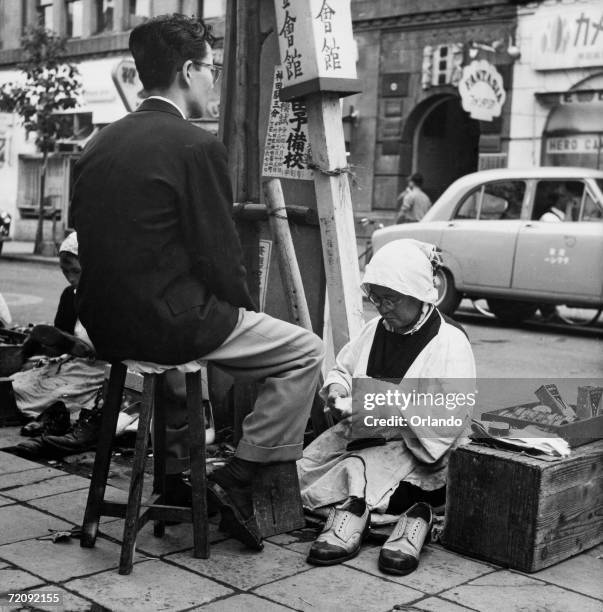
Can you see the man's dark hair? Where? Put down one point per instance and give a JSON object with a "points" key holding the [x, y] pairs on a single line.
{"points": [[417, 179], [161, 45]]}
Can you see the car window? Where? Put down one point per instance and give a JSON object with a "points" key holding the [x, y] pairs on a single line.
{"points": [[469, 206], [502, 200], [557, 200], [591, 209]]}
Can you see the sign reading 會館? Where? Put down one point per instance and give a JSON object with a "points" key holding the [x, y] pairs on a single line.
{"points": [[571, 37], [317, 47], [482, 91]]}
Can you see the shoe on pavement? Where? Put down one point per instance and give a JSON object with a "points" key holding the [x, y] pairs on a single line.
{"points": [[82, 436], [54, 421], [342, 534], [234, 500], [400, 553]]}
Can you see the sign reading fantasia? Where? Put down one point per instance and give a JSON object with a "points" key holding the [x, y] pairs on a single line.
{"points": [[317, 47], [287, 149], [481, 89]]}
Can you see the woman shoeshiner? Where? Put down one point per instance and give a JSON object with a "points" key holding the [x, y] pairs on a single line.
{"points": [[391, 469]]}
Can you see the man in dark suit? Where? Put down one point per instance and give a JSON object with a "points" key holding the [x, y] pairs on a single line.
{"points": [[163, 278]]}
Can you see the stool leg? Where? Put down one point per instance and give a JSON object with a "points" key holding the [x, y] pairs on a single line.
{"points": [[159, 452], [196, 422], [102, 459], [137, 480]]}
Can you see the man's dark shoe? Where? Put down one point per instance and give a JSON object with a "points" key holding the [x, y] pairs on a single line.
{"points": [[53, 421], [234, 500], [82, 436], [34, 448]]}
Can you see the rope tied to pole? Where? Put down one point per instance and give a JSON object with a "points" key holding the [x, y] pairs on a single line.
{"points": [[274, 212], [335, 172]]}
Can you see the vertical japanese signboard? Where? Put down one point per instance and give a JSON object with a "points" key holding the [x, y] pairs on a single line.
{"points": [[317, 47], [287, 150]]}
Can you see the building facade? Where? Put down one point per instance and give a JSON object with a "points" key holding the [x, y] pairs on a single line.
{"points": [[557, 107], [410, 116], [97, 32]]}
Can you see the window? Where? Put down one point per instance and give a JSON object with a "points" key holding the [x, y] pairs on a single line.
{"points": [[213, 8], [591, 209], [138, 11], [502, 200], [74, 18], [104, 15], [45, 14], [24, 15], [561, 199]]}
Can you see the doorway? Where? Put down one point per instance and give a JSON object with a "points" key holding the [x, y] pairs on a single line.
{"points": [[445, 145]]}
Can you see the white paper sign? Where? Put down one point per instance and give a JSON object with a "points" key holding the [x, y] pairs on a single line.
{"points": [[287, 149], [265, 257], [481, 89], [316, 42], [571, 37]]}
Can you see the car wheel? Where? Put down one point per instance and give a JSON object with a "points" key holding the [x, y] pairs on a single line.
{"points": [[510, 311], [448, 297]]}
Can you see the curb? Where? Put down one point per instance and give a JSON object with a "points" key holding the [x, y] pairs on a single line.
{"points": [[48, 261]]}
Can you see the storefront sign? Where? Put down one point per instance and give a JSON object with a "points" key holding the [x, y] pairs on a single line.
{"points": [[571, 37], [265, 258], [317, 47], [287, 149], [577, 143], [481, 89], [128, 84]]}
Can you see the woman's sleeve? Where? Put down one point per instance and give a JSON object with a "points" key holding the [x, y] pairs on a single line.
{"points": [[66, 315]]}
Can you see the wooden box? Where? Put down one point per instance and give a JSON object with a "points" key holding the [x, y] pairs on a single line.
{"points": [[576, 433], [522, 512]]}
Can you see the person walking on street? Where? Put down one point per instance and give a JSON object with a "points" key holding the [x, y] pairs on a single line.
{"points": [[413, 203], [163, 278]]}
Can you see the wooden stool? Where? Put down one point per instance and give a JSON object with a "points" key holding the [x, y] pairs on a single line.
{"points": [[154, 509]]}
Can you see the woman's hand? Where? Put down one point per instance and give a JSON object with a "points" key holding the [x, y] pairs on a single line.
{"points": [[336, 392]]}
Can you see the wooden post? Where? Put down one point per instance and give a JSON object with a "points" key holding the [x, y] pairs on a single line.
{"points": [[287, 260], [336, 216]]}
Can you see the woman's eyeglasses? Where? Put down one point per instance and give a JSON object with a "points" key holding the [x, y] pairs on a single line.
{"points": [[385, 302]]}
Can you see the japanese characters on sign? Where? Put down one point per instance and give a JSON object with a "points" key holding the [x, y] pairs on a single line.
{"points": [[125, 77], [571, 37], [287, 149], [317, 46], [264, 261], [482, 91]]}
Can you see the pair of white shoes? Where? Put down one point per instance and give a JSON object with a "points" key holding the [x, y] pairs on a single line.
{"points": [[348, 524]]}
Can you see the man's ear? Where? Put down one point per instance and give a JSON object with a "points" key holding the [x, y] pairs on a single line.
{"points": [[186, 72]]}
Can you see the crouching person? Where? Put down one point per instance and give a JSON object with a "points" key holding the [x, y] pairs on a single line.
{"points": [[350, 471]]}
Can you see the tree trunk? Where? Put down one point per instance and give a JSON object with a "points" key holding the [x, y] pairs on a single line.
{"points": [[38, 246]]}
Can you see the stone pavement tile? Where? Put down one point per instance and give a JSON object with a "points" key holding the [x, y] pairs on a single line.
{"points": [[438, 569], [505, 591], [61, 561], [52, 486], [583, 573], [152, 585], [27, 477], [5, 501], [177, 538], [435, 604], [72, 504], [337, 588], [69, 601], [20, 523], [597, 551], [14, 579], [232, 563], [246, 601], [12, 463]]}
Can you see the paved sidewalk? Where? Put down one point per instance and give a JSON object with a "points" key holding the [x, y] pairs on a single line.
{"points": [[23, 251], [35, 498]]}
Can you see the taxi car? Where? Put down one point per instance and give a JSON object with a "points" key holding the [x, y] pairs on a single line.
{"points": [[519, 238]]}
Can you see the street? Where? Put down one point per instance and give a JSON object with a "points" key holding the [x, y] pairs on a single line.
{"points": [[535, 349]]}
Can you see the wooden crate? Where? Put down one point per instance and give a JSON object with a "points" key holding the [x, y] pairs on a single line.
{"points": [[521, 512]]}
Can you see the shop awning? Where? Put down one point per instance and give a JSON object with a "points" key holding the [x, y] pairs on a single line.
{"points": [[576, 118]]}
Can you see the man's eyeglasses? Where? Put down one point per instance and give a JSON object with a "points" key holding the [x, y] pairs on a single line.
{"points": [[216, 71], [385, 302]]}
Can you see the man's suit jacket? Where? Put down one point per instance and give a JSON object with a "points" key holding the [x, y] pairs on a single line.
{"points": [[162, 266]]}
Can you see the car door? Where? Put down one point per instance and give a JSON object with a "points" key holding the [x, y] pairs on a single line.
{"points": [[478, 243], [561, 254]]}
